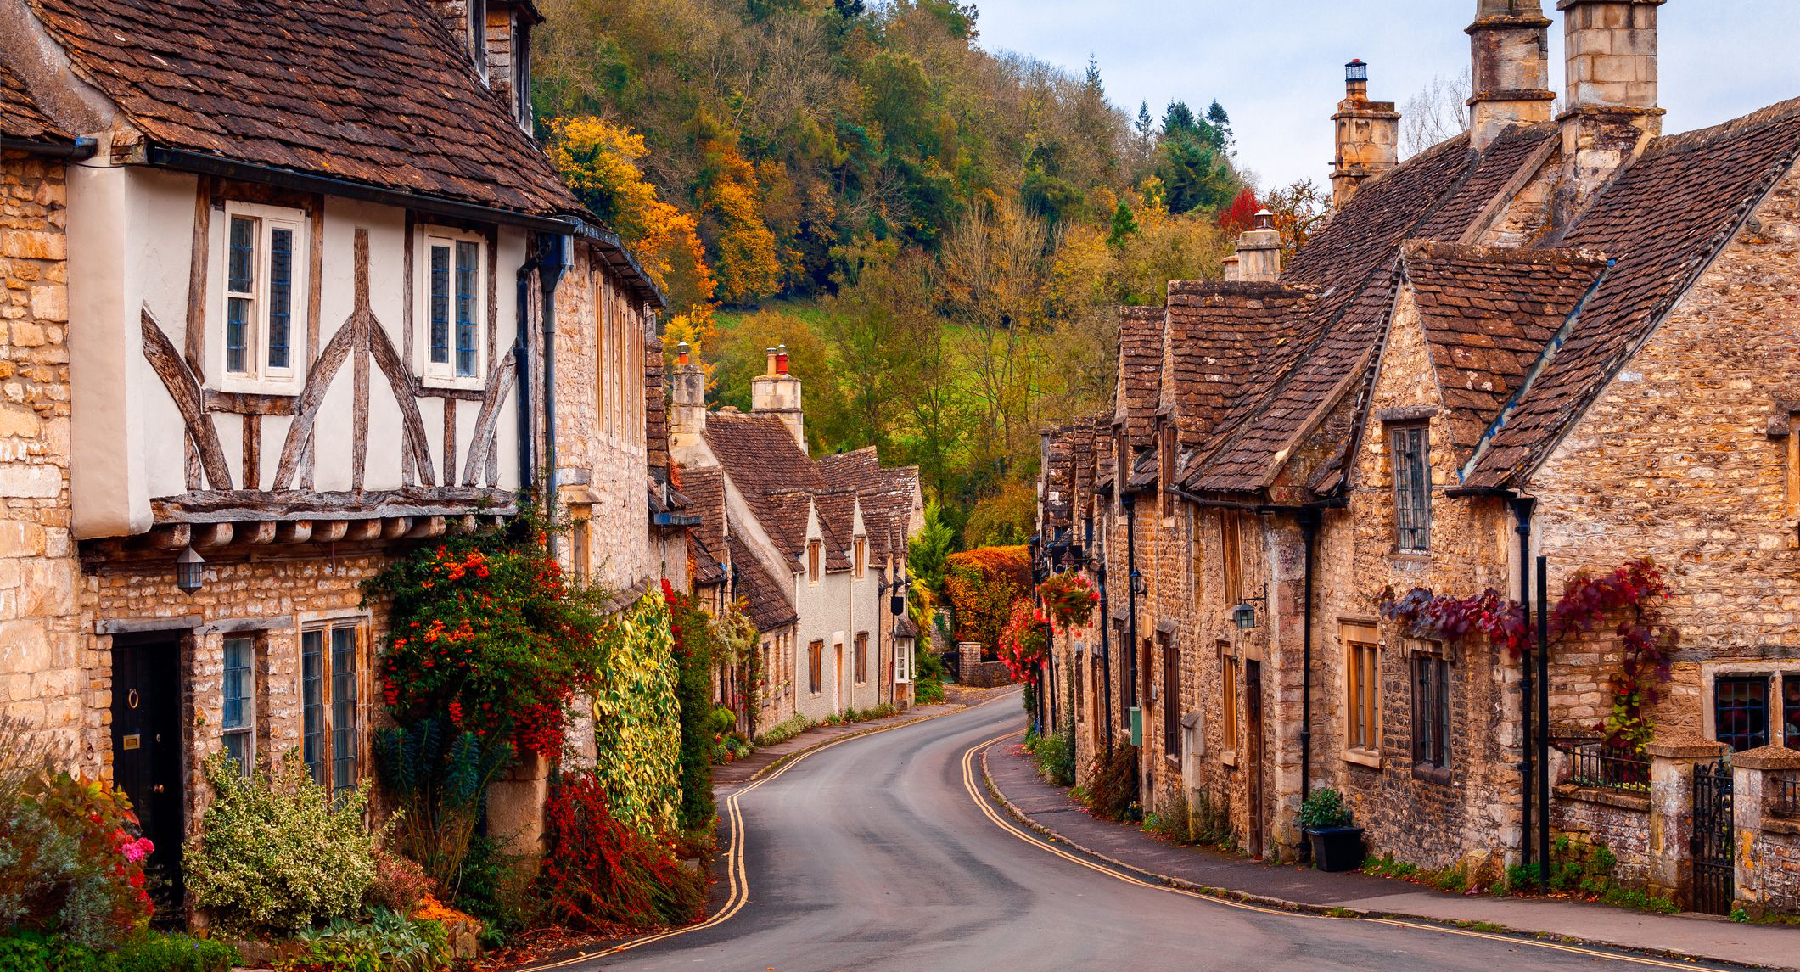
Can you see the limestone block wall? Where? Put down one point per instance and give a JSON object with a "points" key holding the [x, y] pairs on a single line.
{"points": [[1688, 457], [1618, 821], [43, 654]]}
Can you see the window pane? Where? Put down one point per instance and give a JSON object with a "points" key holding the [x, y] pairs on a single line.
{"points": [[1741, 712], [281, 300], [237, 746], [468, 263], [1790, 707], [238, 682], [440, 305], [343, 707], [240, 264], [312, 702], [237, 334]]}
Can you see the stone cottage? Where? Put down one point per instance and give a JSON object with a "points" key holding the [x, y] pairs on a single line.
{"points": [[290, 291], [1569, 336], [816, 548]]}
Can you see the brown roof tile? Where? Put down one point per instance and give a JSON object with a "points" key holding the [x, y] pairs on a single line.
{"points": [[765, 598], [376, 92], [20, 116], [705, 490], [1140, 371]]}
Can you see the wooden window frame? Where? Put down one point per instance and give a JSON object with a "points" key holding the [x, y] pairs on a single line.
{"points": [[815, 668], [1362, 693], [1080, 694], [323, 741], [815, 561], [1409, 454], [1231, 556], [1171, 693], [860, 553], [447, 374], [1228, 702], [259, 376], [1429, 672], [860, 663], [1196, 557], [581, 550], [243, 730]]}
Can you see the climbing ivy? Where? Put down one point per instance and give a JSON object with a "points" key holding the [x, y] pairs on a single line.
{"points": [[637, 721]]}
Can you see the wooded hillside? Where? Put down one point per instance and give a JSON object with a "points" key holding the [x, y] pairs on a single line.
{"points": [[939, 233]]}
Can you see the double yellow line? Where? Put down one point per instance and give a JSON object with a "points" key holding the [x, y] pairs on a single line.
{"points": [[987, 810]]}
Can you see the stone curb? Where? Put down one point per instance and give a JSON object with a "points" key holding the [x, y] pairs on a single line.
{"points": [[821, 744], [1297, 907]]}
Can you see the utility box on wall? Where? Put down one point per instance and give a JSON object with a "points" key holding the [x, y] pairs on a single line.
{"points": [[1137, 726]]}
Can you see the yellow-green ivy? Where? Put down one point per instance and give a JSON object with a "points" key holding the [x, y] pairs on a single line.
{"points": [[637, 726]]}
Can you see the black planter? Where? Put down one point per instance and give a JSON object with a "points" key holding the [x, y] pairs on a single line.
{"points": [[1337, 848]]}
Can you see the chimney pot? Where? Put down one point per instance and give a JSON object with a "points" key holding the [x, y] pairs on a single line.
{"points": [[1368, 136], [770, 352], [781, 360], [1265, 220], [681, 352]]}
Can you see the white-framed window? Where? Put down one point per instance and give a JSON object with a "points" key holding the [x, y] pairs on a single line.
{"points": [[261, 301], [451, 331], [331, 666], [237, 719], [903, 659]]}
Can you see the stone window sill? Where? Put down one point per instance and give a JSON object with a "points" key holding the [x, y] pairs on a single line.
{"points": [[1776, 825], [1363, 757], [1410, 556], [1432, 774], [1228, 757]]}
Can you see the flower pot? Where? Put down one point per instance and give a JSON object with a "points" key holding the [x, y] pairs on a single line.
{"points": [[1337, 848]]}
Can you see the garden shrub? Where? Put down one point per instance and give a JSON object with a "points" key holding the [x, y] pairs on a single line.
{"points": [[1323, 809], [1055, 754], [637, 717], [275, 853], [390, 943], [492, 886], [145, 952], [1112, 788], [1172, 821], [983, 585], [928, 681], [400, 884], [694, 649], [783, 731], [602, 873], [71, 862], [436, 775]]}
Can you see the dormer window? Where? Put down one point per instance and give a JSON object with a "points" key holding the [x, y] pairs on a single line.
{"points": [[262, 294], [815, 559], [1410, 454], [861, 554], [477, 10]]}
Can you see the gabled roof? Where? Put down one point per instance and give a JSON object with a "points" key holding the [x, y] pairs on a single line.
{"points": [[376, 92], [1664, 218], [765, 599], [1352, 267], [20, 116], [887, 496], [1140, 371], [705, 490], [1218, 336], [1487, 313], [768, 468]]}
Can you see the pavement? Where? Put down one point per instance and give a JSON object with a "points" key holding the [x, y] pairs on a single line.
{"points": [[887, 852], [1048, 809]]}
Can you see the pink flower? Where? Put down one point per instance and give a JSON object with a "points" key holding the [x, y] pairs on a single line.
{"points": [[137, 850]]}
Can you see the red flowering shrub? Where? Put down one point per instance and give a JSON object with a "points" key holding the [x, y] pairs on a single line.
{"points": [[983, 584], [602, 875], [487, 631], [1069, 599], [1024, 644], [72, 863]]}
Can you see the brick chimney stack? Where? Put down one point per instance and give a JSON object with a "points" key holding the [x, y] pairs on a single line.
{"points": [[1510, 68], [687, 395], [1612, 98], [1368, 136], [777, 393], [1259, 251]]}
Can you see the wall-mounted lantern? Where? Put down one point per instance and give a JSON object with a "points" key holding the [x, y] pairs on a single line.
{"points": [[1244, 615], [190, 571]]}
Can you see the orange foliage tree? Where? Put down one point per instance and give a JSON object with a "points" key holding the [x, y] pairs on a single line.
{"points": [[748, 266], [983, 586]]}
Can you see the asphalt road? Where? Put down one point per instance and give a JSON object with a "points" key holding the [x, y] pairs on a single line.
{"points": [[873, 854]]}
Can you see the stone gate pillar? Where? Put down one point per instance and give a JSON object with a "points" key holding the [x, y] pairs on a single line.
{"points": [[1672, 765], [1749, 804]]}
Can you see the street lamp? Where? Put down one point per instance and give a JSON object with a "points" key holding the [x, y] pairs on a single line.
{"points": [[1244, 615], [897, 602]]}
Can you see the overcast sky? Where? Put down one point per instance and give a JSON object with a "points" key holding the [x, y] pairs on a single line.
{"points": [[1277, 65]]}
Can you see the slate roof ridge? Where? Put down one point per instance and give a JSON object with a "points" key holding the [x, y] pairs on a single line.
{"points": [[1445, 252], [1701, 136]]}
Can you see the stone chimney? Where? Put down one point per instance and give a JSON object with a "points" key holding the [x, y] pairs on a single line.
{"points": [[1612, 99], [687, 399], [1510, 68], [1259, 251], [1368, 136], [777, 393]]}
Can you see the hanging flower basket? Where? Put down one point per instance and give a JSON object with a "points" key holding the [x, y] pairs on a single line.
{"points": [[1069, 599], [1023, 642]]}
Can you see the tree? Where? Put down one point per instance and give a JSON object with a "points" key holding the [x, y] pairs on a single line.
{"points": [[1300, 210], [1438, 112], [1221, 123]]}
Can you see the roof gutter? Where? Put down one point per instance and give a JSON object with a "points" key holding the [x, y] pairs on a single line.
{"points": [[1332, 503], [80, 150], [207, 164]]}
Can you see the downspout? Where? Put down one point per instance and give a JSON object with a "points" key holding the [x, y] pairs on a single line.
{"points": [[1131, 582], [1309, 529], [1106, 662], [1521, 508], [521, 352], [551, 266]]}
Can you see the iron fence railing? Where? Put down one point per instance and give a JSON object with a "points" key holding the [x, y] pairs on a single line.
{"points": [[1784, 796], [1601, 766]]}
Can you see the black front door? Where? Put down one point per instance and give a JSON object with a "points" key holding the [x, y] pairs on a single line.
{"points": [[146, 740]]}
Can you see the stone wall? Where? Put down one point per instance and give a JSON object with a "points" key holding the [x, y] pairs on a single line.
{"points": [[43, 652], [1618, 821]]}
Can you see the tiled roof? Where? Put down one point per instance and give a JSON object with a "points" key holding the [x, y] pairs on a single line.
{"points": [[1352, 266], [20, 116], [377, 92], [762, 459], [1663, 218], [1140, 371], [1218, 336], [887, 497], [705, 490], [765, 599], [1058, 480], [1487, 313]]}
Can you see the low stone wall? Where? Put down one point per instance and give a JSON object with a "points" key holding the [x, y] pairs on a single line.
{"points": [[1778, 848], [980, 674], [1614, 819]]}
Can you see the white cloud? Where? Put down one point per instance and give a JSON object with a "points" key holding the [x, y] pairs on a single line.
{"points": [[1277, 65]]}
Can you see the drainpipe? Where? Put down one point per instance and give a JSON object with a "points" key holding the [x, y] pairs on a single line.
{"points": [[555, 260], [1543, 720], [1131, 582], [1309, 529], [1521, 508], [1106, 662], [521, 353]]}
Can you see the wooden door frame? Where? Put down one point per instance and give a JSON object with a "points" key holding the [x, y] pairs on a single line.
{"points": [[1254, 743]]}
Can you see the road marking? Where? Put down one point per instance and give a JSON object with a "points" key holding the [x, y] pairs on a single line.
{"points": [[739, 881], [987, 810]]}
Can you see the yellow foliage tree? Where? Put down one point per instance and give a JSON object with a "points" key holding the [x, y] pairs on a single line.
{"points": [[748, 266]]}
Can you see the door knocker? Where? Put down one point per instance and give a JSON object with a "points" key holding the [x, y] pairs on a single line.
{"points": [[131, 699]]}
